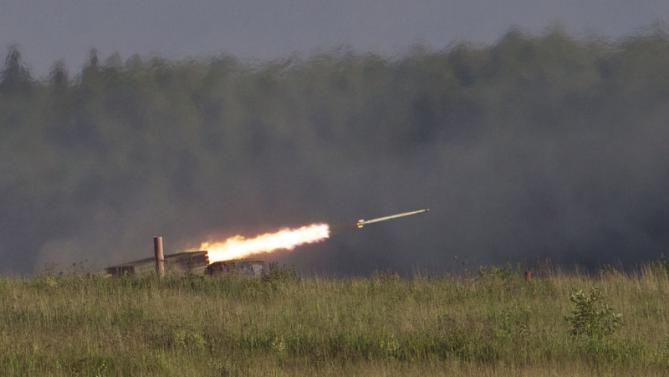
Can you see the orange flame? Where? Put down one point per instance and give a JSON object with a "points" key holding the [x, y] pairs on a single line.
{"points": [[285, 239]]}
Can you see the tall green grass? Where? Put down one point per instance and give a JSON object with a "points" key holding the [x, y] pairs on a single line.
{"points": [[491, 324]]}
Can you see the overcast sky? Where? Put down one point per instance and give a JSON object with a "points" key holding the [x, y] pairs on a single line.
{"points": [[47, 30]]}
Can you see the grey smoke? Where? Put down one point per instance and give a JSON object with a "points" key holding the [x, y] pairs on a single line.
{"points": [[532, 148]]}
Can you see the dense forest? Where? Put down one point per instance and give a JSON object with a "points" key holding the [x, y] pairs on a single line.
{"points": [[534, 147]]}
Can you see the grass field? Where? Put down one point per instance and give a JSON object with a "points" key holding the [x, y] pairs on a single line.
{"points": [[493, 323]]}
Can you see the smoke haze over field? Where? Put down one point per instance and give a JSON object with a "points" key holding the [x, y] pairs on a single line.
{"points": [[533, 147]]}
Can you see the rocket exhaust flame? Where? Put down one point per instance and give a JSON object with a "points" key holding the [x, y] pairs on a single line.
{"points": [[285, 239], [239, 247]]}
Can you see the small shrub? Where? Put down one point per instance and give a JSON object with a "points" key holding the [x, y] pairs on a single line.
{"points": [[592, 317], [511, 324], [182, 338], [508, 272], [278, 344], [389, 346]]}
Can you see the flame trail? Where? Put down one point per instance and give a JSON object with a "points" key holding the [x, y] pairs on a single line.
{"points": [[285, 239]]}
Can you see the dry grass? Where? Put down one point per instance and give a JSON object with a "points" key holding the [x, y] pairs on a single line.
{"points": [[493, 324]]}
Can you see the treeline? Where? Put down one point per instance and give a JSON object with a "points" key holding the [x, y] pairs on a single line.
{"points": [[535, 146]]}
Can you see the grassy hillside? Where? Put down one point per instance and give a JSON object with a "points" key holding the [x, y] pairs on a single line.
{"points": [[490, 324]]}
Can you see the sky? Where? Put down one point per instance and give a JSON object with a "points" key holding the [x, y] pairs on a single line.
{"points": [[49, 30]]}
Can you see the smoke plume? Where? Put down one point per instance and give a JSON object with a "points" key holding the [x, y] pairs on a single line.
{"points": [[532, 148]]}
